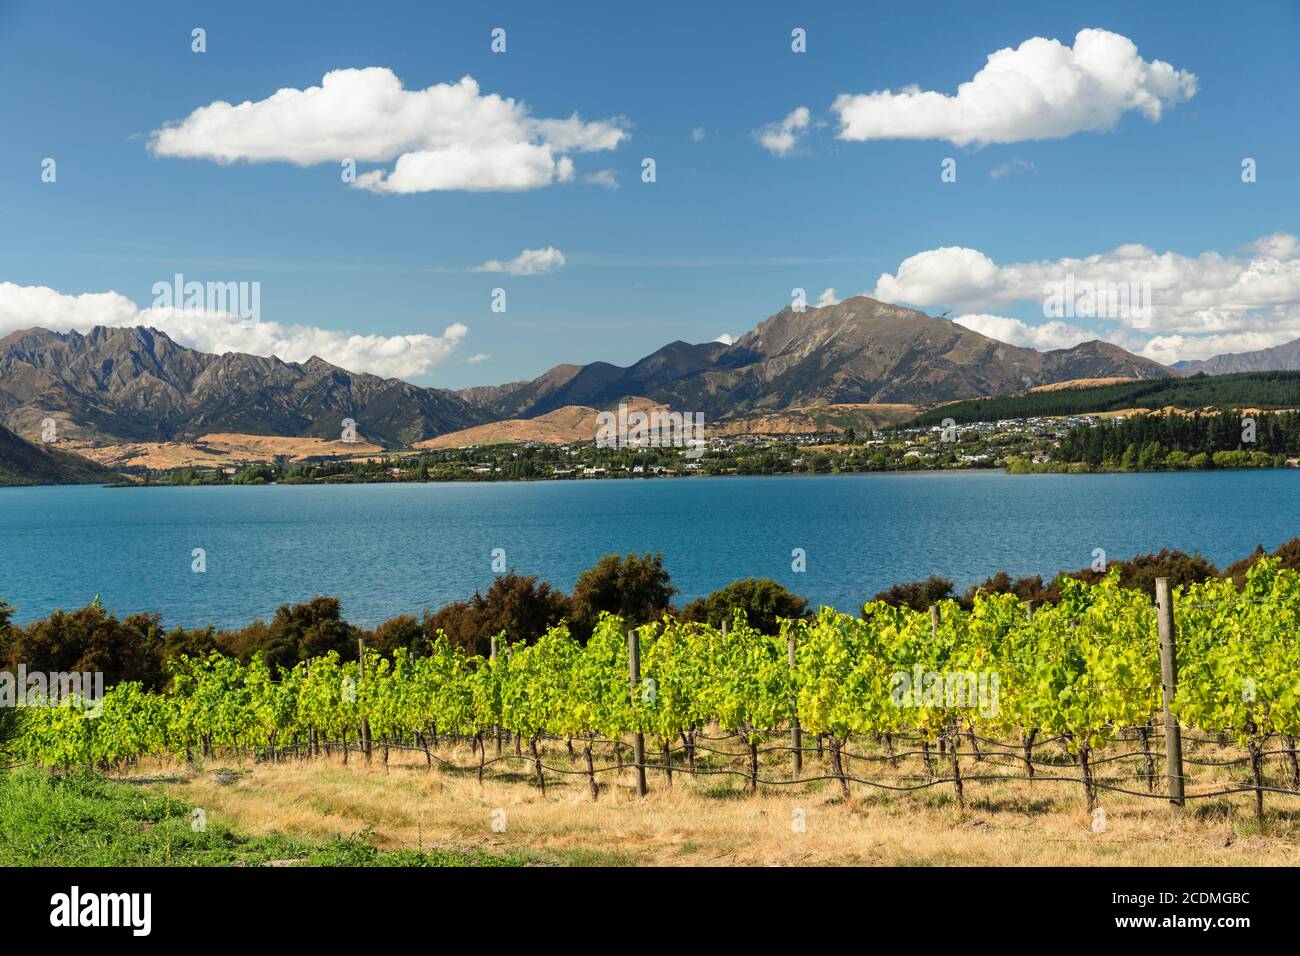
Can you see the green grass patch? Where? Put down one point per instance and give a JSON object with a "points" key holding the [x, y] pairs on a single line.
{"points": [[86, 820], [359, 852], [591, 856]]}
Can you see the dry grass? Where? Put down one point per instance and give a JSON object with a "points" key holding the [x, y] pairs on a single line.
{"points": [[570, 424], [715, 820], [1080, 383], [578, 423], [217, 450]]}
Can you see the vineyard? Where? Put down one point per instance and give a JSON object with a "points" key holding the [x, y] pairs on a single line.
{"points": [[1068, 694]]}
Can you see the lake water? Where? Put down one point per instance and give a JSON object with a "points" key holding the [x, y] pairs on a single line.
{"points": [[390, 549]]}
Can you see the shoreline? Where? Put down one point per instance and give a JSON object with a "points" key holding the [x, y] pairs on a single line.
{"points": [[1036, 471]]}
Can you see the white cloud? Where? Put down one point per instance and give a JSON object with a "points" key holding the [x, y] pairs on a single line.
{"points": [[396, 356], [25, 306], [781, 138], [573, 135], [504, 167], [399, 356], [602, 177], [477, 358], [1048, 335], [1016, 164], [1040, 90], [447, 136], [1280, 245], [1199, 305], [946, 274], [726, 339], [530, 262], [827, 298], [698, 134]]}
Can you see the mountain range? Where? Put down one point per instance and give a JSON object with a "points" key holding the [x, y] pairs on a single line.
{"points": [[1280, 358], [137, 384], [858, 351]]}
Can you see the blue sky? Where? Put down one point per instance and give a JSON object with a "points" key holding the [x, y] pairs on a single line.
{"points": [[712, 247]]}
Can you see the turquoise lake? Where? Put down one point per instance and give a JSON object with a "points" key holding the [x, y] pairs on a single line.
{"points": [[401, 548]]}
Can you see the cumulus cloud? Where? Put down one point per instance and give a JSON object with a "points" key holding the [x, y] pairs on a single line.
{"points": [[946, 274], [477, 358], [1048, 335], [1280, 245], [726, 339], [400, 356], [1015, 165], [698, 134], [1042, 89], [1199, 305], [827, 298], [573, 135], [25, 306], [448, 136], [782, 137], [530, 262], [602, 177]]}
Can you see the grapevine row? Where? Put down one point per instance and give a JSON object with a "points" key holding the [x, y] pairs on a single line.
{"points": [[1079, 671]]}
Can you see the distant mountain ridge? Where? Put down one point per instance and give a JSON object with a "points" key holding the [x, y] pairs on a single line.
{"points": [[1279, 358], [859, 351], [138, 385]]}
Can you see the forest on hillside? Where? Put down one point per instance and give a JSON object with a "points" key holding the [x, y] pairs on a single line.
{"points": [[1241, 390]]}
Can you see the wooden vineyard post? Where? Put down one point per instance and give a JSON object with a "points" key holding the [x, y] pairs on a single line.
{"points": [[934, 636], [634, 678], [313, 742], [519, 745], [953, 730], [1169, 686], [498, 728], [361, 674], [796, 732]]}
